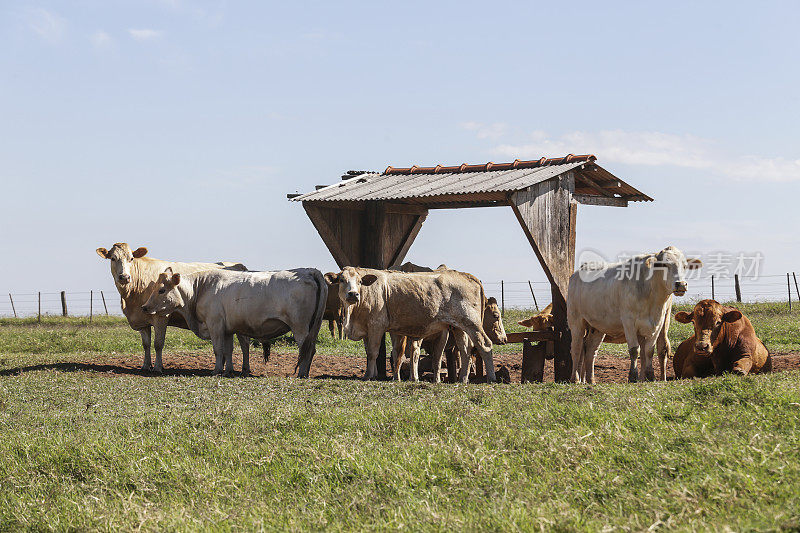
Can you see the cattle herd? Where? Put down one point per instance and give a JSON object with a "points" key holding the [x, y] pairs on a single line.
{"points": [[440, 310]]}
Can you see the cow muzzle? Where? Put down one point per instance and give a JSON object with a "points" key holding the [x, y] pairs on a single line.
{"points": [[702, 348], [680, 288], [352, 297], [147, 310], [124, 279]]}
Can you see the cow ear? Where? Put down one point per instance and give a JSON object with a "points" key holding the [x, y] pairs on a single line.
{"points": [[526, 323], [176, 278], [683, 317], [139, 252], [491, 301], [102, 252], [732, 316], [369, 279], [694, 264], [650, 262], [332, 278]]}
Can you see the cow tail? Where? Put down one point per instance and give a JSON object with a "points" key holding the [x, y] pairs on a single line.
{"points": [[316, 319]]}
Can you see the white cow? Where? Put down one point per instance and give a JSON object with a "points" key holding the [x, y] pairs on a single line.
{"points": [[216, 304], [135, 276], [631, 298]]}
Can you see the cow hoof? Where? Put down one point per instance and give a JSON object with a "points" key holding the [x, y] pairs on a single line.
{"points": [[632, 378], [246, 373], [146, 367]]}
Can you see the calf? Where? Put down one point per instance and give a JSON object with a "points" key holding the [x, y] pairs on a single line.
{"points": [[216, 304], [333, 311], [724, 341], [417, 305], [633, 298]]}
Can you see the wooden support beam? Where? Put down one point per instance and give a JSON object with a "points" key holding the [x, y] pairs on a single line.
{"points": [[408, 239], [594, 185], [588, 199], [547, 215]]}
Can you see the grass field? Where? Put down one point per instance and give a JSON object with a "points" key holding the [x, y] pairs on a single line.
{"points": [[100, 451]]}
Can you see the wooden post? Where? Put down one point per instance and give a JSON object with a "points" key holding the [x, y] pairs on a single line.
{"points": [[39, 320], [104, 302], [713, 295], [796, 288], [372, 239], [789, 286], [12, 305], [533, 356], [502, 298], [534, 296], [63, 303], [738, 288], [547, 213], [91, 301]]}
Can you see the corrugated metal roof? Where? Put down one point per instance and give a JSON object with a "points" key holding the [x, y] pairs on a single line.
{"points": [[428, 182]]}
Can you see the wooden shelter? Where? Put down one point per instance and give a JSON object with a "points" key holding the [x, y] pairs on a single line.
{"points": [[371, 219]]}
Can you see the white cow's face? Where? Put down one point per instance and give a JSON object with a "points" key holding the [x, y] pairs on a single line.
{"points": [[349, 283], [165, 297], [672, 265], [121, 258]]}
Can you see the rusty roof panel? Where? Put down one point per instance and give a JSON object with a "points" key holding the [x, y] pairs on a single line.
{"points": [[415, 184]]}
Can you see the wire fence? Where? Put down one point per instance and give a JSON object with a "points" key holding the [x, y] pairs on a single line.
{"points": [[771, 288], [62, 303], [510, 294]]}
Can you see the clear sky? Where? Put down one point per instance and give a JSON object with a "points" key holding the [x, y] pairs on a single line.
{"points": [[182, 125]]}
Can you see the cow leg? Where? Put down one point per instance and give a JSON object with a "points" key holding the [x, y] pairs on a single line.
{"points": [[159, 334], [244, 344], [742, 366], [664, 348], [646, 369], [147, 364], [438, 351], [414, 348], [339, 328], [266, 344], [372, 345], [464, 351], [307, 342], [218, 342], [633, 349], [228, 347], [484, 345], [591, 343], [330, 328], [398, 350], [578, 329]]}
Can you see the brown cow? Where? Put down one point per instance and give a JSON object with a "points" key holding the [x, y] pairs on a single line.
{"points": [[724, 341]]}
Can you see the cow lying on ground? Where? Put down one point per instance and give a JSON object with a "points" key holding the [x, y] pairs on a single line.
{"points": [[633, 298], [724, 341], [135, 277], [216, 304], [410, 348], [417, 305]]}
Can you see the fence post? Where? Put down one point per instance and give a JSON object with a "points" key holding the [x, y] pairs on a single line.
{"points": [[91, 302], [502, 298], [713, 295], [534, 296], [738, 288], [39, 319], [797, 290], [12, 305], [63, 303], [104, 302], [789, 286]]}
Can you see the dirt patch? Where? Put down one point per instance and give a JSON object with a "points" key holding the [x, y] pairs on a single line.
{"points": [[608, 369]]}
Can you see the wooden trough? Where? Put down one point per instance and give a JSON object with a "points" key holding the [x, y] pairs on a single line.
{"points": [[371, 219]]}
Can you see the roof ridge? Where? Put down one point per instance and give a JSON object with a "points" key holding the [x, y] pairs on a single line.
{"points": [[487, 167]]}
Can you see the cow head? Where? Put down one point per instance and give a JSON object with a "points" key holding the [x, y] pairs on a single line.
{"points": [[121, 258], [493, 322], [165, 297], [349, 283], [671, 265], [708, 317], [541, 321]]}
